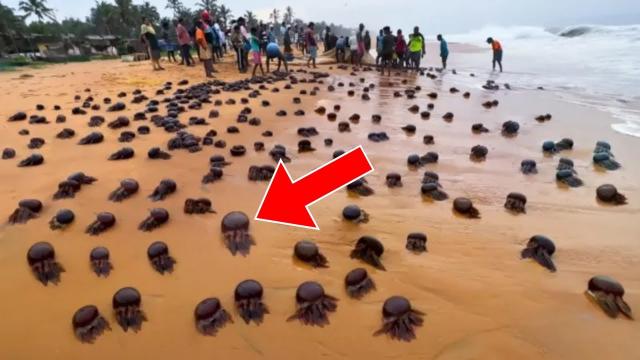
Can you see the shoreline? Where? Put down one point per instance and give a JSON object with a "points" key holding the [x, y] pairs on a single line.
{"points": [[480, 298]]}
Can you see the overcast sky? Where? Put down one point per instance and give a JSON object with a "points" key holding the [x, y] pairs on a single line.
{"points": [[433, 16]]}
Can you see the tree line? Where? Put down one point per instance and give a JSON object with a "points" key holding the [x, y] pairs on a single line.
{"points": [[120, 18]]}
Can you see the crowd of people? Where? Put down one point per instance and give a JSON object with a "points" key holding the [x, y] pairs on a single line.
{"points": [[250, 46]]}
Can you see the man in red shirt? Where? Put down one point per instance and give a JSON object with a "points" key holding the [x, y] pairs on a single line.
{"points": [[184, 40], [497, 52]]}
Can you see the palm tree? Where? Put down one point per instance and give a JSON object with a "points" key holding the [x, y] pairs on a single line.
{"points": [[209, 5], [176, 6], [252, 21], [288, 15], [37, 8], [274, 16], [124, 11], [224, 14]]}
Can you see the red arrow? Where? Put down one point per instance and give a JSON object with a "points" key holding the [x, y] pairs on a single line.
{"points": [[286, 201]]}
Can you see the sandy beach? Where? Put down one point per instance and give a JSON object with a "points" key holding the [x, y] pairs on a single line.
{"points": [[479, 297]]}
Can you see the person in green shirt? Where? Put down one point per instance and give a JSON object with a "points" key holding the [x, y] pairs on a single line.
{"points": [[416, 47]]}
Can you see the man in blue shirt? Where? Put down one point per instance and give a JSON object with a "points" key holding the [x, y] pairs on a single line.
{"points": [[273, 52], [444, 51]]}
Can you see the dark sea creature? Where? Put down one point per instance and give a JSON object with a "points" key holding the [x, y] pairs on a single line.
{"points": [[96, 121], [540, 248], [42, 260], [602, 147], [258, 146], [32, 160], [608, 293], [344, 126], [416, 242], [126, 304], [126, 136], [36, 143], [60, 119], [448, 117], [569, 178], [67, 189], [88, 324], [161, 260], [122, 154], [478, 153], [237, 150], [82, 178], [210, 316], [606, 161], [27, 209], [127, 188], [66, 133], [313, 305], [399, 319], [100, 263], [278, 153], [543, 118], [360, 187], [409, 129], [92, 138], [369, 250], [394, 180], [308, 252], [157, 217], [103, 222], [248, 300], [376, 118], [549, 147], [261, 173], [358, 283], [144, 130], [235, 230], [214, 174], [355, 214], [305, 146], [516, 203], [8, 153], [218, 161], [433, 191], [564, 144], [198, 206], [565, 164], [528, 167], [119, 106], [19, 116], [479, 128], [62, 219], [164, 189], [428, 140], [609, 194], [155, 153], [464, 206]]}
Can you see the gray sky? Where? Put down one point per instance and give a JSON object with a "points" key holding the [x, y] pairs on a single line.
{"points": [[448, 16]]}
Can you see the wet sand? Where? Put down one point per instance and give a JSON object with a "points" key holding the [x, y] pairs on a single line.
{"points": [[481, 300]]}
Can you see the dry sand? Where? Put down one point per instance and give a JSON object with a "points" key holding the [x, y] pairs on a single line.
{"points": [[481, 300]]}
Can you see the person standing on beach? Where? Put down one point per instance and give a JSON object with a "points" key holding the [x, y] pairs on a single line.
{"points": [[170, 40], [327, 39], [311, 44], [367, 41], [497, 52], [204, 48], [416, 48], [379, 46], [360, 44], [444, 50], [237, 41], [246, 47], [287, 41], [273, 52], [341, 49], [388, 49], [148, 37], [256, 55], [184, 40], [401, 49]]}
